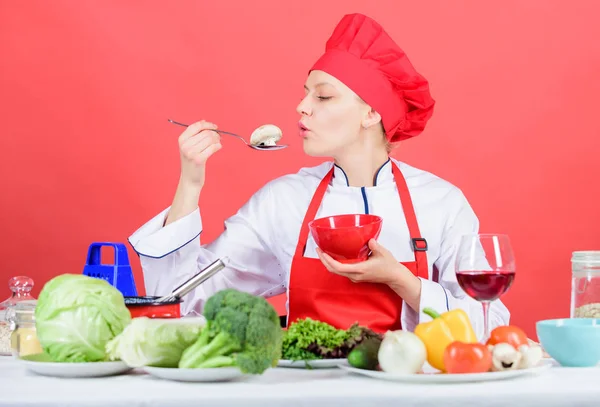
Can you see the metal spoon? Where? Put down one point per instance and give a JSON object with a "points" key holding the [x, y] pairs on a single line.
{"points": [[256, 147]]}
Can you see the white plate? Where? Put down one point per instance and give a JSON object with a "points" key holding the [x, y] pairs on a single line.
{"points": [[313, 364], [218, 374], [42, 365], [436, 377]]}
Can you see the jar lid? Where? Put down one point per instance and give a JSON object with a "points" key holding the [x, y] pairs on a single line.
{"points": [[20, 286], [586, 256]]}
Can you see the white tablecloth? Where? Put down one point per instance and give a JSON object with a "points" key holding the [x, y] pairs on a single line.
{"points": [[292, 387]]}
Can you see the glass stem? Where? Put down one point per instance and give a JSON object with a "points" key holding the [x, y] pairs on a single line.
{"points": [[486, 320]]}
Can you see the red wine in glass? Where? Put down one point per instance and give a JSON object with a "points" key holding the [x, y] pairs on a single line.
{"points": [[485, 268], [485, 285]]}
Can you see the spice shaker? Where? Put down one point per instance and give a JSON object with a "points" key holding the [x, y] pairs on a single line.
{"points": [[585, 284]]}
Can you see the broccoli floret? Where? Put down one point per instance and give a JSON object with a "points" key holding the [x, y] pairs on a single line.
{"points": [[242, 330], [218, 340], [214, 304], [263, 322]]}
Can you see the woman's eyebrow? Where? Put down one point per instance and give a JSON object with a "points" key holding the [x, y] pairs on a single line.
{"points": [[318, 85]]}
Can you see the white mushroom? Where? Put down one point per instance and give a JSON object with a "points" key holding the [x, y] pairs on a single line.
{"points": [[266, 135], [530, 356], [534, 343], [504, 357]]}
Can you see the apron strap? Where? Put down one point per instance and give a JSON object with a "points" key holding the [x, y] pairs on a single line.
{"points": [[419, 245], [313, 208]]}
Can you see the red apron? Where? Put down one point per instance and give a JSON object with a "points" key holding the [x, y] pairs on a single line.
{"points": [[316, 293]]}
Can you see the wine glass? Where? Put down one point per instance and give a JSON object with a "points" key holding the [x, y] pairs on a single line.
{"points": [[485, 269]]}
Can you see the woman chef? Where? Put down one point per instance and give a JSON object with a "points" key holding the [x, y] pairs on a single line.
{"points": [[362, 95]]}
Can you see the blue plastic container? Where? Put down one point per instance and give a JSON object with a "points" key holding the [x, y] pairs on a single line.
{"points": [[118, 275]]}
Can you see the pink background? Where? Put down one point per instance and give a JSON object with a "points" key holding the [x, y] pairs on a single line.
{"points": [[87, 153]]}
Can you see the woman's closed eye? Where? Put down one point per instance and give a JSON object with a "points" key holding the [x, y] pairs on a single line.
{"points": [[324, 97]]}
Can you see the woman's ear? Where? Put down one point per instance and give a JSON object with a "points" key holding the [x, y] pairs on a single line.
{"points": [[371, 119]]}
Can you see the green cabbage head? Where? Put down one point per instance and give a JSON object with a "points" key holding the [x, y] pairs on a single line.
{"points": [[155, 342], [77, 315]]}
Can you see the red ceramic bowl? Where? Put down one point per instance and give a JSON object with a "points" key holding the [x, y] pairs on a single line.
{"points": [[346, 237]]}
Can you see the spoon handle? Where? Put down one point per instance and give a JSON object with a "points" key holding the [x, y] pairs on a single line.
{"points": [[177, 123], [218, 131]]}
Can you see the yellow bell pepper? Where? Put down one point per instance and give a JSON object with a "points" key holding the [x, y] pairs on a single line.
{"points": [[446, 328]]}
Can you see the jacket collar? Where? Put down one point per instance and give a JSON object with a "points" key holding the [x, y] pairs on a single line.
{"points": [[382, 176]]}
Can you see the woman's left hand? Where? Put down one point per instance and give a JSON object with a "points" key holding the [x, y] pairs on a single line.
{"points": [[380, 267]]}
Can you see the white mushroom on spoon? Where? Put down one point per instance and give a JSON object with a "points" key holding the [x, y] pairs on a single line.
{"points": [[266, 135], [263, 138]]}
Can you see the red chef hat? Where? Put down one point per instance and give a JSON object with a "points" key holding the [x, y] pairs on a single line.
{"points": [[365, 58]]}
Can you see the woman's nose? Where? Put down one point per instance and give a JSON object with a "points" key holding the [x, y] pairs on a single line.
{"points": [[303, 108]]}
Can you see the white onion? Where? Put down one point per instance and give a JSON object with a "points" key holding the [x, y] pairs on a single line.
{"points": [[401, 352]]}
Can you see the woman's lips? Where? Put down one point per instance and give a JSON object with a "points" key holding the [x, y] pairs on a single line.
{"points": [[302, 130]]}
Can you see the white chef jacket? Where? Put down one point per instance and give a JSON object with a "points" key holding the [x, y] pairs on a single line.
{"points": [[260, 239]]}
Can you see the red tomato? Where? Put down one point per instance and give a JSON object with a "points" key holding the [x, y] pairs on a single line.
{"points": [[508, 334], [462, 357]]}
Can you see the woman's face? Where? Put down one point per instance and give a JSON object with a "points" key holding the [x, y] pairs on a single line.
{"points": [[332, 116]]}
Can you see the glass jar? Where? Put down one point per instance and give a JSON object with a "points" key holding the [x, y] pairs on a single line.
{"points": [[585, 284], [24, 340], [20, 287]]}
